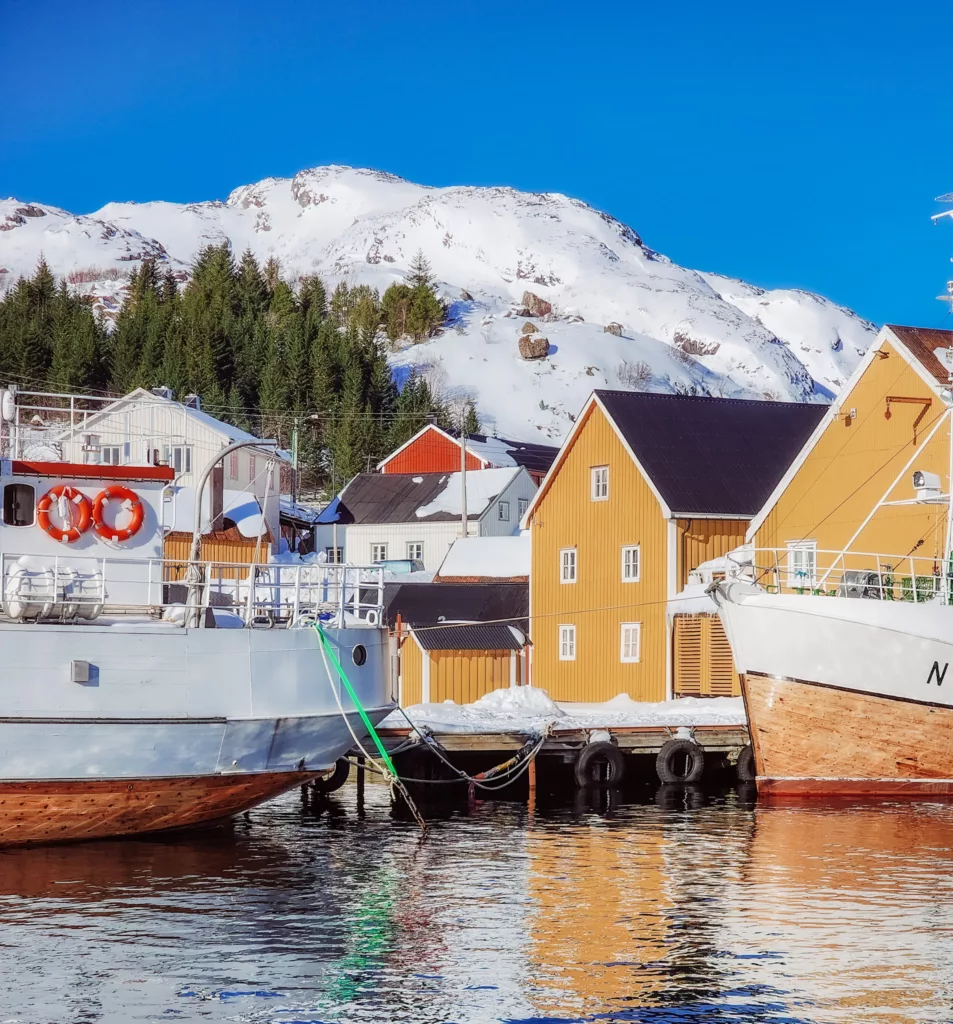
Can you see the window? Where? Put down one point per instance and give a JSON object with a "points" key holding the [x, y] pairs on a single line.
{"points": [[631, 564], [251, 469], [333, 556], [503, 510], [567, 643], [415, 550], [567, 565], [631, 641], [111, 454], [233, 466], [600, 483], [378, 552], [19, 505], [522, 505], [179, 457], [802, 563]]}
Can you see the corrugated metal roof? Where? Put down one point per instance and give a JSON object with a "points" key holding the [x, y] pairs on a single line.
{"points": [[922, 342], [712, 456], [469, 636], [423, 604], [397, 497], [536, 457]]}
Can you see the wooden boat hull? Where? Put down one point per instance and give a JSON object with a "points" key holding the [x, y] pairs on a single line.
{"points": [[812, 739], [67, 811]]}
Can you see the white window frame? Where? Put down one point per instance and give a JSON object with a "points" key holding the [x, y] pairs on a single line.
{"points": [[626, 563], [111, 454], [379, 552], [333, 556], [799, 575], [626, 632], [522, 504], [184, 453], [567, 642], [412, 546], [251, 471], [568, 565], [503, 511], [599, 483], [233, 466]]}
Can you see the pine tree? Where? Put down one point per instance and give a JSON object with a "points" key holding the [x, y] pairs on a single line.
{"points": [[420, 275]]}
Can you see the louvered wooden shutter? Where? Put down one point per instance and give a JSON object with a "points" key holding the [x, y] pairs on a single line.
{"points": [[704, 666], [688, 656], [723, 679]]}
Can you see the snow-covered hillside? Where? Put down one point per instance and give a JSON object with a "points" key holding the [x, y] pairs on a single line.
{"points": [[676, 328]]}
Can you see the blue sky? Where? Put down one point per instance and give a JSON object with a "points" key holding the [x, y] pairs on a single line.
{"points": [[796, 145]]}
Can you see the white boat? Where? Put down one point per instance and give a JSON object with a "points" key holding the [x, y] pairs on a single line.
{"points": [[139, 694]]}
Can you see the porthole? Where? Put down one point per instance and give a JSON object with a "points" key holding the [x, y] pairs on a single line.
{"points": [[359, 654]]}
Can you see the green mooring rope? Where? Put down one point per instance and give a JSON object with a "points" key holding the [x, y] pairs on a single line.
{"points": [[372, 732]]}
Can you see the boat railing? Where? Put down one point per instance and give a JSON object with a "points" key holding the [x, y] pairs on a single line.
{"points": [[68, 588], [804, 569]]}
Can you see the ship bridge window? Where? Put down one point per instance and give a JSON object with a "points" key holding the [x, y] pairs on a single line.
{"points": [[19, 505]]}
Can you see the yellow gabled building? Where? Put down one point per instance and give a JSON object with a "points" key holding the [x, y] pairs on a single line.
{"points": [[645, 488], [843, 488]]}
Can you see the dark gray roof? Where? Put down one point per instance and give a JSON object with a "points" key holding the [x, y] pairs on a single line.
{"points": [[468, 636], [423, 604], [395, 498], [712, 456], [535, 457]]}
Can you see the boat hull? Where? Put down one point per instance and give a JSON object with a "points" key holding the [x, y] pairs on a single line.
{"points": [[845, 697], [68, 811]]}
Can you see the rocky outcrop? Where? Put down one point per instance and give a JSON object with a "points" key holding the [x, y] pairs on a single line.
{"points": [[465, 296], [613, 328], [528, 328], [534, 346], [535, 306], [31, 211]]}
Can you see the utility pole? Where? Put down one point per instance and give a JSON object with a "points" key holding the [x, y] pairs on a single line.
{"points": [[294, 461], [463, 469]]}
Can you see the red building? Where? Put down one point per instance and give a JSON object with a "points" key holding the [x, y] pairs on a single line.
{"points": [[432, 450]]}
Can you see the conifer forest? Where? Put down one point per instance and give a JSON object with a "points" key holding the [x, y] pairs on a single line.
{"points": [[261, 353]]}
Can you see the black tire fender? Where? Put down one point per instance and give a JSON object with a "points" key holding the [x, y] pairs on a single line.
{"points": [[596, 753], [336, 779], [745, 767], [673, 754]]}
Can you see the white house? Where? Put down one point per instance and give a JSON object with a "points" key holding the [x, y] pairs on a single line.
{"points": [[148, 428], [386, 516]]}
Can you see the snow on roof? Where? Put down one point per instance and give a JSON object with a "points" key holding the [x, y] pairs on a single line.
{"points": [[242, 508], [483, 486], [295, 510], [487, 558], [494, 450]]}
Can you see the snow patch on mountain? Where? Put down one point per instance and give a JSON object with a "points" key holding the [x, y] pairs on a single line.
{"points": [[677, 329]]}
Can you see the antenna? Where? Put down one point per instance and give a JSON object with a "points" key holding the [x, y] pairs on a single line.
{"points": [[947, 197]]}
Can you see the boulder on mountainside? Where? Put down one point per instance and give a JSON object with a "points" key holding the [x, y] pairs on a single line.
{"points": [[613, 328], [528, 328], [465, 296], [534, 346], [535, 305], [30, 211]]}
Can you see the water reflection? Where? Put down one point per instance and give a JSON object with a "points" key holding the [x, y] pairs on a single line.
{"points": [[677, 906]]}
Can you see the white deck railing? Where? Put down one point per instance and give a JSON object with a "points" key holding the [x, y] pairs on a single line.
{"points": [[66, 588], [805, 570]]}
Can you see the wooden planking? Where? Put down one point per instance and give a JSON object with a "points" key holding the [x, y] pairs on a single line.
{"points": [[854, 463], [61, 811], [704, 666], [432, 452], [700, 540], [411, 672], [216, 549], [599, 602], [802, 731]]}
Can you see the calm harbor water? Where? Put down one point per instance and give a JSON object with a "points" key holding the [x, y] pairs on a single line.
{"points": [[694, 911]]}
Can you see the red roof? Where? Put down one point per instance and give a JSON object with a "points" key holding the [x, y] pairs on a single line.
{"points": [[90, 471]]}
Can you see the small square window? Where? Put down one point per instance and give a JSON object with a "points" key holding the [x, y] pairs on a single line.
{"points": [[251, 470], [567, 643], [631, 563], [503, 509], [567, 565], [333, 556], [522, 505], [378, 552], [600, 483], [19, 505], [233, 466], [415, 550], [631, 641]]}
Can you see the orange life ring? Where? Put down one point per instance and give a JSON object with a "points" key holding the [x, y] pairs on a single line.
{"points": [[131, 503], [70, 531]]}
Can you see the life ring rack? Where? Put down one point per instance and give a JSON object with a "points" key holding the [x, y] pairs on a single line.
{"points": [[70, 531], [130, 501]]}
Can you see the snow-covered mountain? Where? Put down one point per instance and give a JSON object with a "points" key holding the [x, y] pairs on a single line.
{"points": [[675, 328]]}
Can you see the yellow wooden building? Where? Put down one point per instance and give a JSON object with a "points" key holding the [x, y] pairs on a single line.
{"points": [[460, 662], [842, 490], [644, 489]]}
